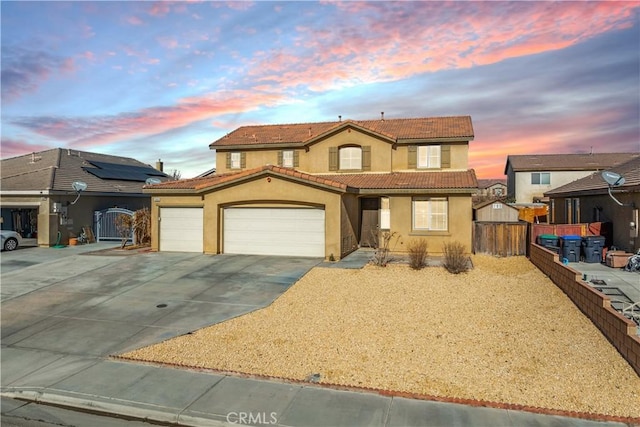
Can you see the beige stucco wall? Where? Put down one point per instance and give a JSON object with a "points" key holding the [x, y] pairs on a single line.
{"points": [[460, 223], [525, 192], [263, 191], [384, 158]]}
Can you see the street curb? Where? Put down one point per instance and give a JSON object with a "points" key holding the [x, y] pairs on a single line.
{"points": [[98, 405]]}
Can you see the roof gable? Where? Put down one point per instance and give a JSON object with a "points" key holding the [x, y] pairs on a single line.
{"points": [[434, 129]]}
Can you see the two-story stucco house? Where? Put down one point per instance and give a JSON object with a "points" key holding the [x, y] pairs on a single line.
{"points": [[324, 189], [530, 176]]}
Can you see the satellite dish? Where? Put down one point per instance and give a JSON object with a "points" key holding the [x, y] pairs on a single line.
{"points": [[79, 186], [151, 181], [612, 178]]}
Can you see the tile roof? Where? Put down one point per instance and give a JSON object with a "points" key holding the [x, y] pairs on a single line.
{"points": [[428, 128], [486, 183], [58, 168], [344, 182], [594, 184], [566, 162]]}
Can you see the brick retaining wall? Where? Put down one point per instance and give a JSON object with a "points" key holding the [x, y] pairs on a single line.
{"points": [[619, 330]]}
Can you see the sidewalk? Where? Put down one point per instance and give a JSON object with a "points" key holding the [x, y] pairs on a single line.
{"points": [[166, 395]]}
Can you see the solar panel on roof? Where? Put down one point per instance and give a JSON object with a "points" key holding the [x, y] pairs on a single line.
{"points": [[122, 172]]}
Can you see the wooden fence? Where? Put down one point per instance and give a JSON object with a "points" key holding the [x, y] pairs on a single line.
{"points": [[500, 238]]}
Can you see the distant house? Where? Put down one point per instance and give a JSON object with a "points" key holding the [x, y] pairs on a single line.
{"points": [[587, 200], [37, 197], [495, 211], [530, 176], [492, 188], [207, 173], [324, 189]]}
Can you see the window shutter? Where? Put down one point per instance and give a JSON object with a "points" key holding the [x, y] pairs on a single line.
{"points": [[413, 156], [333, 158], [366, 158], [280, 158], [296, 158], [445, 159], [243, 160], [228, 160]]}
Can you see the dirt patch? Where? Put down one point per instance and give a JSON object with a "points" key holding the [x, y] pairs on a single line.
{"points": [[502, 333]]}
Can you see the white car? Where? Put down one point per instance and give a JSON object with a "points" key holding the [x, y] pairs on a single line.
{"points": [[10, 240]]}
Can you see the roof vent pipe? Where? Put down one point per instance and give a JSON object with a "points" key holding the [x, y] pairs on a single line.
{"points": [[160, 165], [382, 116], [339, 118]]}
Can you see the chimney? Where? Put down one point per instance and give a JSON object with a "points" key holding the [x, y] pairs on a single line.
{"points": [[160, 165], [382, 116]]}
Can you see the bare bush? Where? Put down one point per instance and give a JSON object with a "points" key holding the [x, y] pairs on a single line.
{"points": [[124, 225], [417, 253], [455, 260], [382, 255], [142, 227]]}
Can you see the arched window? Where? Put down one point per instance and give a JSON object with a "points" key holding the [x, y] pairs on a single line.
{"points": [[350, 158]]}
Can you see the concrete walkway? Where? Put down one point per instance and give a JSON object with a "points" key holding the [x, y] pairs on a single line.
{"points": [[64, 312]]}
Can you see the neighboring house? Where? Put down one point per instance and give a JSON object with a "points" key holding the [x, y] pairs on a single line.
{"points": [[36, 195], [530, 176], [495, 211], [324, 189], [205, 174], [492, 188], [587, 200]]}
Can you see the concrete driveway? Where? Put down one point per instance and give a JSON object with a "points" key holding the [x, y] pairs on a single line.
{"points": [[99, 304]]}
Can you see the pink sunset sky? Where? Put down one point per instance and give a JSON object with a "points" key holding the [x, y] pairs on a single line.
{"points": [[162, 80]]}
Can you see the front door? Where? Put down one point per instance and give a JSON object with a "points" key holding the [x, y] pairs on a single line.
{"points": [[369, 222]]}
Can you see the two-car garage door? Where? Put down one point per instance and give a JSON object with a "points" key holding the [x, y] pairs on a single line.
{"points": [[274, 231]]}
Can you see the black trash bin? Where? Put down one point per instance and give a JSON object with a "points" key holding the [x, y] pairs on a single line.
{"points": [[592, 247], [570, 248], [549, 241]]}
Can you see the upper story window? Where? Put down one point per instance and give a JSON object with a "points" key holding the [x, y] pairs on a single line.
{"points": [[350, 158], [236, 160], [540, 178], [287, 158], [429, 156]]}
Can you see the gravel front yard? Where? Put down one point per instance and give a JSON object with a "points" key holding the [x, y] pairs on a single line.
{"points": [[502, 332]]}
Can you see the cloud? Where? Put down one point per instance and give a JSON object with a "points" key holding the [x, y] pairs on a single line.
{"points": [[80, 132], [387, 41], [11, 147], [24, 70], [133, 20]]}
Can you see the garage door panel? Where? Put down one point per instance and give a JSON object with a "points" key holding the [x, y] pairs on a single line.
{"points": [[274, 231], [181, 229]]}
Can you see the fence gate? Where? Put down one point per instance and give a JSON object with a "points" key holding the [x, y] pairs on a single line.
{"points": [[105, 224], [500, 238]]}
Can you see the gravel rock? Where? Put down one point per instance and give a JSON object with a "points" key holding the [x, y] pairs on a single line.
{"points": [[502, 332]]}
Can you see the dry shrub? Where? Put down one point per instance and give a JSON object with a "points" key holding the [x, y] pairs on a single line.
{"points": [[382, 255], [142, 227], [417, 253], [455, 260]]}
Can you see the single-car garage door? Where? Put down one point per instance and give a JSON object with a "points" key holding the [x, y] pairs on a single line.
{"points": [[274, 231], [181, 229]]}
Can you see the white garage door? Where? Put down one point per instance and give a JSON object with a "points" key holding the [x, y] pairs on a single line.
{"points": [[274, 231], [181, 229]]}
